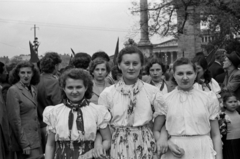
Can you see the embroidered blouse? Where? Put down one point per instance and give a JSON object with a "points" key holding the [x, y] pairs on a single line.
{"points": [[56, 118], [190, 112], [148, 98]]}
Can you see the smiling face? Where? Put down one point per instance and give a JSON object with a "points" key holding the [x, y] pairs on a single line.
{"points": [[25, 74], [185, 76], [100, 72], [156, 72], [130, 66], [74, 90]]}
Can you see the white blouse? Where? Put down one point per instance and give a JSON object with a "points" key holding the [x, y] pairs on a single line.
{"points": [[189, 113], [213, 85], [148, 99], [94, 116]]}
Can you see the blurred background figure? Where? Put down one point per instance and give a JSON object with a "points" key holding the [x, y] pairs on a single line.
{"points": [[99, 69], [81, 60], [156, 70], [48, 89], [22, 111], [204, 80], [217, 66]]}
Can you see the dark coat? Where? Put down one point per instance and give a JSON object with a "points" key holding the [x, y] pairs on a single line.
{"points": [[232, 82], [23, 119], [49, 93], [216, 69], [4, 128]]}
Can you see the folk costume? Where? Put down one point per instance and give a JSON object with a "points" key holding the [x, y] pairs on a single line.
{"points": [[75, 127], [132, 108]]}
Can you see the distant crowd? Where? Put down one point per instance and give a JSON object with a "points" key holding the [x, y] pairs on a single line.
{"points": [[130, 109]]}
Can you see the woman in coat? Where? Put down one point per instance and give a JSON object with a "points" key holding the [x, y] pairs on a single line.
{"points": [[22, 111]]}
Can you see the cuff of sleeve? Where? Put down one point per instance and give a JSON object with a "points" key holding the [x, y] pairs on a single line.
{"points": [[214, 116]]}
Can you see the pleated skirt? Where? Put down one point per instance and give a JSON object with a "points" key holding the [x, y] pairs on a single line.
{"points": [[231, 149]]}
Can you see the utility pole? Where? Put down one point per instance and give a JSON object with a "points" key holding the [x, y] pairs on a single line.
{"points": [[35, 42]]}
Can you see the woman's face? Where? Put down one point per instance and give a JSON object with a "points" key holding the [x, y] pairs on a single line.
{"points": [[130, 66], [156, 72], [100, 72], [74, 90], [185, 76], [226, 63], [200, 70], [25, 74]]}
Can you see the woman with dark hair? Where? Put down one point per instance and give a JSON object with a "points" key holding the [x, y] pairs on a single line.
{"points": [[22, 111], [99, 69], [81, 60], [156, 70], [133, 105], [191, 117], [49, 92], [204, 80], [73, 124]]}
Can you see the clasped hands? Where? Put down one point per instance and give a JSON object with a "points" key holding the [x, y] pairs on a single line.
{"points": [[162, 146]]}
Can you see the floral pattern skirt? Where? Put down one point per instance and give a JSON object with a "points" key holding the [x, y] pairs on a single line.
{"points": [[132, 143], [75, 150]]}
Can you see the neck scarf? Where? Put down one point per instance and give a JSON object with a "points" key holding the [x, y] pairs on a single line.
{"points": [[131, 93], [79, 120]]}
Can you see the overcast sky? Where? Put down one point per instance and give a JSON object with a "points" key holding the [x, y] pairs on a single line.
{"points": [[84, 25]]}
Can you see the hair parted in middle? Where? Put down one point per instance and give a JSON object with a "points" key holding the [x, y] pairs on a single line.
{"points": [[152, 62], [96, 62], [77, 74], [130, 50]]}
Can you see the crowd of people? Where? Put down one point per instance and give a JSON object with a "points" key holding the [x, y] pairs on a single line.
{"points": [[95, 109]]}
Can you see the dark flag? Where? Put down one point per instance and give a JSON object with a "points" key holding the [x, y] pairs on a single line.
{"points": [[34, 57], [116, 53], [73, 52]]}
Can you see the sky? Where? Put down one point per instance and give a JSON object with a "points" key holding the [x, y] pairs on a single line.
{"points": [[83, 25]]}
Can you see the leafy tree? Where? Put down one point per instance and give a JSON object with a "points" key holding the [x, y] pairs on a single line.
{"points": [[222, 17]]}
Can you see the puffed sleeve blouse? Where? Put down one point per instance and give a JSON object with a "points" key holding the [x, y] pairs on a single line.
{"points": [[190, 112], [56, 118], [148, 104]]}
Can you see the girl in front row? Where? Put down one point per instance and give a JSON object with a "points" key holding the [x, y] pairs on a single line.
{"points": [[73, 124], [232, 143]]}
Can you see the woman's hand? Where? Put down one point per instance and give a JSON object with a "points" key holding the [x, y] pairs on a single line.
{"points": [[99, 152], [176, 151], [162, 146], [26, 150]]}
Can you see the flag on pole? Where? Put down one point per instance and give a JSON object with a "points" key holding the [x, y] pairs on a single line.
{"points": [[73, 52], [116, 53], [34, 57]]}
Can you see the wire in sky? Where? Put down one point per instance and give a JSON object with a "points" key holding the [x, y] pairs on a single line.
{"points": [[113, 2], [63, 25]]}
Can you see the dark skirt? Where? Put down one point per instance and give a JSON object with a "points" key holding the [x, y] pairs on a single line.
{"points": [[76, 150], [231, 149]]}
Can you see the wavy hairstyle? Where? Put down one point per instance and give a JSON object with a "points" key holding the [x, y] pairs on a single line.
{"points": [[14, 77], [96, 62], [152, 62], [101, 55], [77, 74], [81, 60], [201, 60], [48, 62]]}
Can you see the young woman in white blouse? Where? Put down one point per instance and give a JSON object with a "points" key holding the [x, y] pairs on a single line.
{"points": [[73, 124], [133, 104], [190, 116]]}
